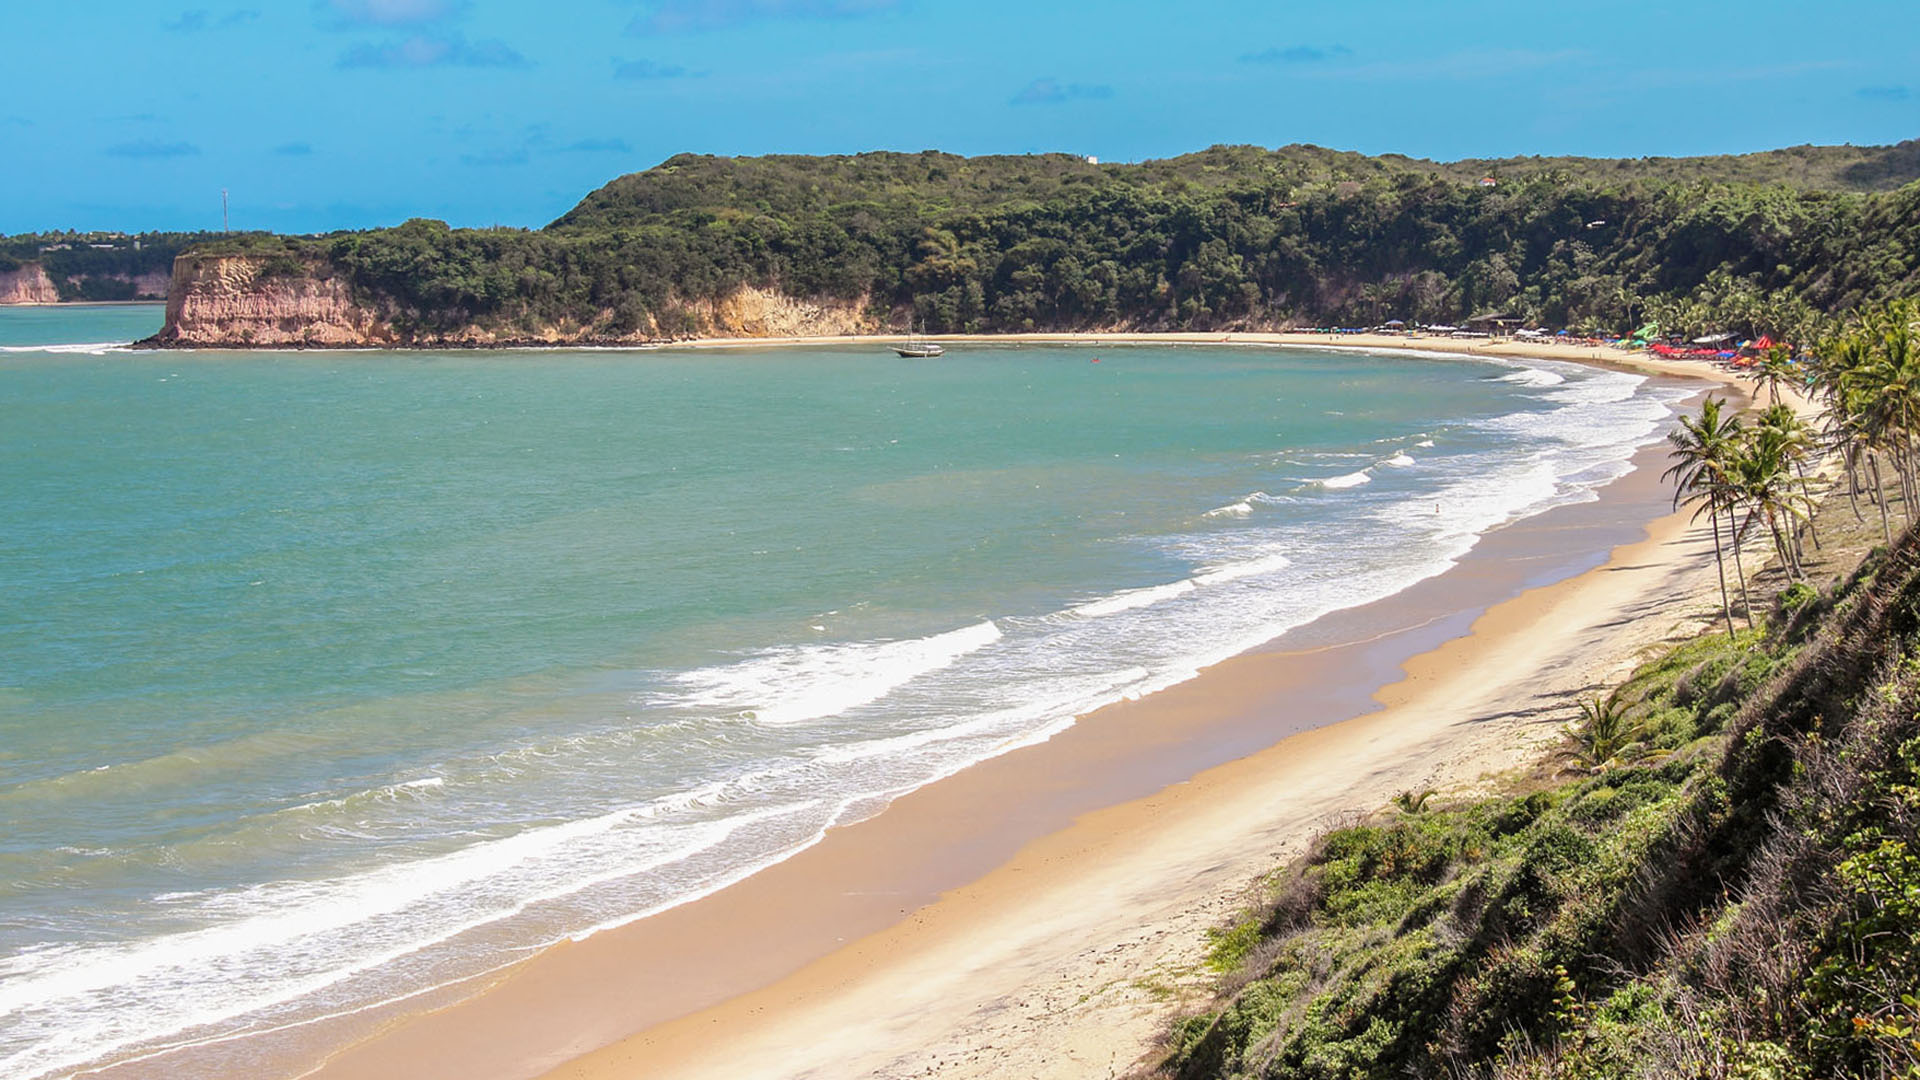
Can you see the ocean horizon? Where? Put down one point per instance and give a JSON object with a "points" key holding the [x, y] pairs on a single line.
{"points": [[330, 677]]}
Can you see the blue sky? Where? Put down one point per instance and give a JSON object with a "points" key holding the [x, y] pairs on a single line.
{"points": [[325, 114]]}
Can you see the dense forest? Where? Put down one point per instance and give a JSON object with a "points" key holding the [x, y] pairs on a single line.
{"points": [[1232, 237], [96, 265]]}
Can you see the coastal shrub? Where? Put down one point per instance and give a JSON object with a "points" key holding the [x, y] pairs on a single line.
{"points": [[1228, 948], [281, 266]]}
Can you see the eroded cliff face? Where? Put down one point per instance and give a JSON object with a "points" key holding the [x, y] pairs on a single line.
{"points": [[239, 301], [31, 285], [152, 286], [28, 285], [751, 312], [227, 301]]}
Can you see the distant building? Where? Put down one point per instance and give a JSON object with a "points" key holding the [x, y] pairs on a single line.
{"points": [[1488, 181], [1496, 323], [1091, 160]]}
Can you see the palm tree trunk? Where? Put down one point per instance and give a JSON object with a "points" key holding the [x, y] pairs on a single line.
{"points": [[1880, 491], [1780, 548], [1903, 472], [1806, 492], [1720, 564], [1853, 489], [1908, 492], [1739, 570]]}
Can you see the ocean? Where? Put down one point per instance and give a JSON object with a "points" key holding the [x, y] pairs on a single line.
{"points": [[327, 677]]}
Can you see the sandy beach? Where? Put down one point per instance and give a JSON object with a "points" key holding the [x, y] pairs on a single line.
{"points": [[1043, 913], [1509, 347]]}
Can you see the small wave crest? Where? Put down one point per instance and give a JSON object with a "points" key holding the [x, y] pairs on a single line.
{"points": [[1241, 509], [796, 684], [386, 793], [1132, 598], [1533, 377], [1348, 480], [1246, 506], [1219, 575]]}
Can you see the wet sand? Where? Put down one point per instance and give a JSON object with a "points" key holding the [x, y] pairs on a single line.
{"points": [[1039, 914]]}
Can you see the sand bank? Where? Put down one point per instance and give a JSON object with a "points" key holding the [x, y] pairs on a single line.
{"points": [[1042, 913], [1505, 347]]}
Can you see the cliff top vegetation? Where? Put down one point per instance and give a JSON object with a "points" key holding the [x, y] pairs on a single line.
{"points": [[938, 183], [1227, 238]]}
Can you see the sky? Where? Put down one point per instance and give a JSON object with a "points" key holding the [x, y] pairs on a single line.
{"points": [[333, 114]]}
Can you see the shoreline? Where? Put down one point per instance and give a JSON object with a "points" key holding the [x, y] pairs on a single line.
{"points": [[646, 998], [1603, 355]]}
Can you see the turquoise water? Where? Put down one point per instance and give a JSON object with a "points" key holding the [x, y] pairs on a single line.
{"points": [[78, 325], [329, 676]]}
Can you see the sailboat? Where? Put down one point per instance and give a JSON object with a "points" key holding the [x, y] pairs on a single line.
{"points": [[918, 349]]}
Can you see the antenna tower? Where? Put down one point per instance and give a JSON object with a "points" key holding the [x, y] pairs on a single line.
{"points": [[226, 224]]}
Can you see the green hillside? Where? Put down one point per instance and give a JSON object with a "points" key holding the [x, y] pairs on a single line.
{"points": [[1232, 237], [938, 184]]}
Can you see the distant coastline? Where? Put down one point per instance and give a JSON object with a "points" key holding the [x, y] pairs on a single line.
{"points": [[1624, 359]]}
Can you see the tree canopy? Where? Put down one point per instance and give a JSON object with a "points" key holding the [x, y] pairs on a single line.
{"points": [[1232, 237]]}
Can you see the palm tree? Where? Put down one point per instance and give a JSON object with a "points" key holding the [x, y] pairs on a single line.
{"points": [[1761, 477], [1871, 376], [1702, 450], [1797, 442], [1604, 734], [1776, 369], [1409, 803]]}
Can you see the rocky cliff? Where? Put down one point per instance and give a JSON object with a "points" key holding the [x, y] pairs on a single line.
{"points": [[243, 301], [751, 312], [237, 301], [152, 286], [31, 284], [27, 285]]}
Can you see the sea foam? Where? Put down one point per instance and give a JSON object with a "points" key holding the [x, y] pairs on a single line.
{"points": [[1347, 480], [796, 684]]}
